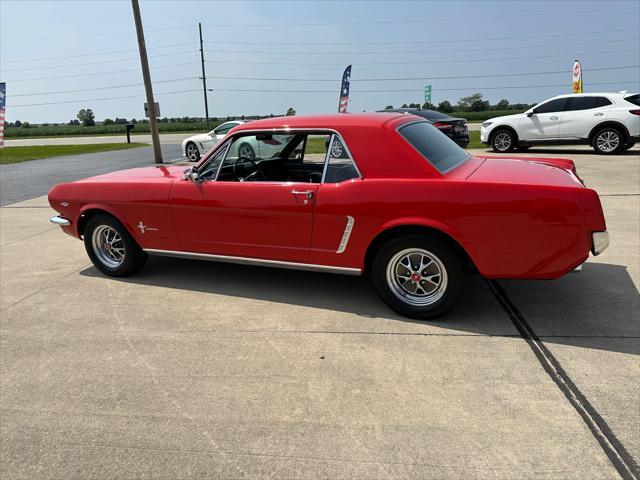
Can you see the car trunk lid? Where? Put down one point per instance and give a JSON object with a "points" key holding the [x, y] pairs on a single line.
{"points": [[527, 170]]}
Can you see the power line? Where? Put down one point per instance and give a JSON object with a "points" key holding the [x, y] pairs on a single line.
{"points": [[395, 79], [109, 34], [570, 14], [109, 72], [100, 99], [421, 42], [99, 62], [412, 90], [313, 64], [93, 54], [404, 52], [101, 88], [327, 79], [483, 60]]}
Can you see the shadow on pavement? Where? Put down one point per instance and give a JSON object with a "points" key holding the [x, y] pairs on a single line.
{"points": [[589, 309], [597, 308]]}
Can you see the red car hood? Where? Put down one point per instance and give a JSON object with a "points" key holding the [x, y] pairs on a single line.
{"points": [[169, 173], [527, 170]]}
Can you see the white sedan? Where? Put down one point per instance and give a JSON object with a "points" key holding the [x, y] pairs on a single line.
{"points": [[197, 145]]}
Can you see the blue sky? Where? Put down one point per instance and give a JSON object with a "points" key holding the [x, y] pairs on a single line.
{"points": [[91, 45]]}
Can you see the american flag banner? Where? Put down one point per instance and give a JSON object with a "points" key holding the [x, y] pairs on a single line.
{"points": [[3, 98], [344, 90]]}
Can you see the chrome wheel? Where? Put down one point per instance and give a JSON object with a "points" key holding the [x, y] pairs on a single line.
{"points": [[417, 277], [607, 141], [192, 152], [246, 151], [502, 141], [108, 246]]}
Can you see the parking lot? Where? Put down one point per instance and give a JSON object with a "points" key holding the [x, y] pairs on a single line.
{"points": [[198, 370]]}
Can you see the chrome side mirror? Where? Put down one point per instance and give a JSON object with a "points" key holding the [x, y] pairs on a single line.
{"points": [[191, 175]]}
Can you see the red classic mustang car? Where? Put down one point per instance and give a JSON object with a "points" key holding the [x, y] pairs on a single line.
{"points": [[385, 194]]}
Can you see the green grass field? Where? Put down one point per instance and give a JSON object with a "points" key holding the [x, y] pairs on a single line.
{"points": [[474, 140], [24, 154]]}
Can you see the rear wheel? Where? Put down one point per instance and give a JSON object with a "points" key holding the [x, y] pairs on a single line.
{"points": [[418, 277], [503, 141], [111, 248], [608, 141], [192, 153]]}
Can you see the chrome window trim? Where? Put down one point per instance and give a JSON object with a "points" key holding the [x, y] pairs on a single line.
{"points": [[327, 158], [346, 234], [284, 131], [255, 261], [224, 157]]}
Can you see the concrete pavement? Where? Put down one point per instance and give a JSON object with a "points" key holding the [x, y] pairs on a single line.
{"points": [[202, 370]]}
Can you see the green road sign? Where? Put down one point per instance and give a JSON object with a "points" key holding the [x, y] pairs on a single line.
{"points": [[427, 94]]}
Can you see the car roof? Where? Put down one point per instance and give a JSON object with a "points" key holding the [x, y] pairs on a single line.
{"points": [[595, 94], [329, 121]]}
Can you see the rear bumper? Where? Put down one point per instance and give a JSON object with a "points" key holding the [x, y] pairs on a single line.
{"points": [[600, 242]]}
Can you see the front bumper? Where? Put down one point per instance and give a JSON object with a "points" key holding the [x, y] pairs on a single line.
{"points": [[600, 242], [58, 220]]}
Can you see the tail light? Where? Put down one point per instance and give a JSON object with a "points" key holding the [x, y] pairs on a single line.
{"points": [[635, 112], [442, 126]]}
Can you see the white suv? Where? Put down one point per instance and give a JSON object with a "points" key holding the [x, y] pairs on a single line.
{"points": [[609, 122]]}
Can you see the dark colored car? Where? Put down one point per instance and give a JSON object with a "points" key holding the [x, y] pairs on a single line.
{"points": [[454, 128]]}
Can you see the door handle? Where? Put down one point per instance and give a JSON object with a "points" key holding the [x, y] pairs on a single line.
{"points": [[306, 193], [599, 114], [553, 118]]}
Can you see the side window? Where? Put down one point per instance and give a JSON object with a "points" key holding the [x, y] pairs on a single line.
{"points": [[557, 105], [601, 102], [340, 166], [582, 103], [209, 172]]}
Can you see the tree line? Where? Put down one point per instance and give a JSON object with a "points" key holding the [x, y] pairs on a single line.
{"points": [[472, 103]]}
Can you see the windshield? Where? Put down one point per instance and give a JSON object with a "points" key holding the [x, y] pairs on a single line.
{"points": [[438, 149]]}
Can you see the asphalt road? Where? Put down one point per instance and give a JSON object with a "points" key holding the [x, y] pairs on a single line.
{"points": [[202, 370], [21, 181]]}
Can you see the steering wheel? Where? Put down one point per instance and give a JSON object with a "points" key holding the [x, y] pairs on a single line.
{"points": [[257, 171]]}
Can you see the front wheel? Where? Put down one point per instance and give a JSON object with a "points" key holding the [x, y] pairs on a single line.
{"points": [[608, 141], [111, 248], [503, 141], [418, 276]]}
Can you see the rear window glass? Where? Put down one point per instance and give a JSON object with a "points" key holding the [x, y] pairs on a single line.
{"points": [[438, 149], [635, 99]]}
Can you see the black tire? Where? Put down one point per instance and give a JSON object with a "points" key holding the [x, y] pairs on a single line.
{"points": [[132, 256], [191, 152], [503, 140], [608, 141], [246, 150], [388, 265]]}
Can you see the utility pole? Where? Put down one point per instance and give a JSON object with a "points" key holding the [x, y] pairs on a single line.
{"points": [[153, 121], [204, 77]]}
